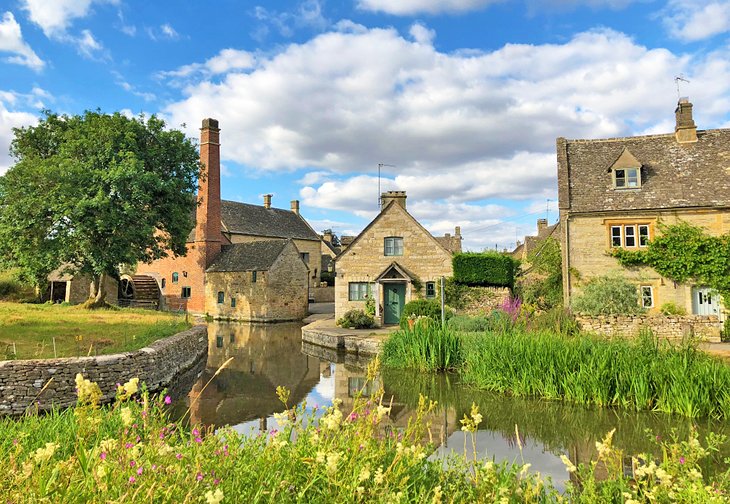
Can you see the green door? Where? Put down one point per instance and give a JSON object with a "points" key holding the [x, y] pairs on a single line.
{"points": [[395, 298]]}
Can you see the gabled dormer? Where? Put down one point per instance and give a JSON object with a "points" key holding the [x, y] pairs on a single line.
{"points": [[626, 171]]}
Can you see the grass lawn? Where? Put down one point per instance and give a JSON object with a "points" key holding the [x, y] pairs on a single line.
{"points": [[31, 328]]}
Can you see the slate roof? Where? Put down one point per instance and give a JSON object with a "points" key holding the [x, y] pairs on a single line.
{"points": [[254, 256], [243, 218], [674, 175]]}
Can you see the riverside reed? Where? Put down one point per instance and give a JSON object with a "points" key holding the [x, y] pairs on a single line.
{"points": [[642, 374], [132, 452]]}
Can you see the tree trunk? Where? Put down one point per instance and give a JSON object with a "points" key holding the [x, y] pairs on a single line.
{"points": [[97, 294]]}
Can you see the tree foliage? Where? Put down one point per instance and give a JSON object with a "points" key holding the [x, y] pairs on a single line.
{"points": [[683, 252], [95, 191], [608, 295], [542, 283]]}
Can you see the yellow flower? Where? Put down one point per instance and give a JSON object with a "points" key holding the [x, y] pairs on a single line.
{"points": [[378, 478], [88, 392], [437, 494], [214, 497], [44, 454], [381, 412], [332, 460], [364, 474], [568, 464], [131, 387], [127, 417]]}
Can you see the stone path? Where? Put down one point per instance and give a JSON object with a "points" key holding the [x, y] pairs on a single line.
{"points": [[324, 332]]}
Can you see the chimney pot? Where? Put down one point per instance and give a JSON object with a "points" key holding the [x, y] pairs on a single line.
{"points": [[398, 196], [685, 130], [541, 224], [267, 200], [295, 206], [457, 231]]}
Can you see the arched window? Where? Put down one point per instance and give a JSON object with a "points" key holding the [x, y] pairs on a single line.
{"points": [[175, 277], [162, 284]]}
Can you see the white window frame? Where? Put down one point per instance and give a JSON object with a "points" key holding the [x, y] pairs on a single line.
{"points": [[432, 284], [394, 249], [643, 297], [633, 235], [620, 236], [648, 235], [628, 175], [359, 295]]}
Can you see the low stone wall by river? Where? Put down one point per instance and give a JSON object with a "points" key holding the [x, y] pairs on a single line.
{"points": [[21, 381], [673, 327]]}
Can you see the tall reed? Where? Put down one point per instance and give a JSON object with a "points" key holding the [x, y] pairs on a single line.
{"points": [[427, 347]]}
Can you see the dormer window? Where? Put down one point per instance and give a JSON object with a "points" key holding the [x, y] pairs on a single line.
{"points": [[626, 178]]}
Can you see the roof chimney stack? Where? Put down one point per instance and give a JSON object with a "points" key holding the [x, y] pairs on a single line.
{"points": [[208, 212], [267, 200], [541, 224], [398, 196], [295, 206], [685, 131]]}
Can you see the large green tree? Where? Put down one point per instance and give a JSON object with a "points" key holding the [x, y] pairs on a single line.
{"points": [[92, 192]]}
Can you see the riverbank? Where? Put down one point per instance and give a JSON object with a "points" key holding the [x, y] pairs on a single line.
{"points": [[324, 332]]}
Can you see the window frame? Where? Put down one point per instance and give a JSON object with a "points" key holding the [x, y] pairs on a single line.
{"points": [[233, 301], [186, 290], [634, 234], [629, 174], [631, 235], [359, 295], [620, 236], [254, 276], [175, 277], [432, 285], [221, 297], [394, 241], [643, 296], [642, 236]]}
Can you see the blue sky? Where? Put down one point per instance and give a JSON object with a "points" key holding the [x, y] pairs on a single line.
{"points": [[464, 97]]}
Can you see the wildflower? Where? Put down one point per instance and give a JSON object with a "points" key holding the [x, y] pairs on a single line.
{"points": [[199, 476], [101, 470], [88, 392], [523, 471], [470, 423], [378, 478], [140, 471], [44, 454], [681, 460], [320, 457], [568, 464], [102, 455], [604, 448], [381, 411], [132, 479], [332, 420], [126, 414], [178, 456], [282, 418], [437, 494], [132, 463], [664, 477], [332, 460], [214, 497], [360, 491], [128, 389], [168, 400], [364, 474]]}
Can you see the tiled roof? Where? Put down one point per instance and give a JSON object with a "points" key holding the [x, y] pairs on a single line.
{"points": [[243, 218], [254, 256], [673, 174]]}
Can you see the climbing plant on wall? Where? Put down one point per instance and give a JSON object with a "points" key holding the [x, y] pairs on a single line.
{"points": [[683, 252]]}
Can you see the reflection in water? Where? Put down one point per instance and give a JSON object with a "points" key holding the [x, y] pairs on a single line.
{"points": [[267, 355]]}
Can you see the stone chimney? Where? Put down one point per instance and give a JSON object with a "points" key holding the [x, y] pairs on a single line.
{"points": [[267, 200], [685, 131], [327, 236], [541, 224], [295, 206], [208, 213], [398, 196]]}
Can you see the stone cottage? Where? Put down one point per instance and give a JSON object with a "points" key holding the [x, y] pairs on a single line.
{"points": [[182, 281], [260, 281], [393, 260], [613, 192]]}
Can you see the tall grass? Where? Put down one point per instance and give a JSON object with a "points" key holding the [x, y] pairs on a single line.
{"points": [[427, 347]]}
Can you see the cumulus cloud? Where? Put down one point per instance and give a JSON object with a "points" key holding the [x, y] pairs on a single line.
{"points": [[55, 17], [227, 60], [308, 14], [12, 116], [410, 7], [11, 41], [690, 20]]}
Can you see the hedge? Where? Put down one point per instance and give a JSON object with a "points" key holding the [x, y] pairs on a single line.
{"points": [[485, 269]]}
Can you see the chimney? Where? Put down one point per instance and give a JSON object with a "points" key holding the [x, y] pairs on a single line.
{"points": [[457, 231], [685, 131], [208, 213], [541, 224], [295, 206], [267, 200], [398, 196], [327, 236]]}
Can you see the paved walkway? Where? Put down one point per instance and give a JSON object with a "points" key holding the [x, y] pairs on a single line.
{"points": [[718, 349], [324, 332]]}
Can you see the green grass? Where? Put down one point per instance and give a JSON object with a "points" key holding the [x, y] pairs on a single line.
{"points": [[13, 290], [639, 374], [27, 331]]}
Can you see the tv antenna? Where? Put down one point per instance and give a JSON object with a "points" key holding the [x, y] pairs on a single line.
{"points": [[380, 167], [679, 78], [547, 210]]}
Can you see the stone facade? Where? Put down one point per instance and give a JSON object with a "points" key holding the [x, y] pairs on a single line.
{"points": [[614, 192], [76, 289], [481, 300], [675, 327], [323, 294], [22, 382], [278, 293], [423, 259]]}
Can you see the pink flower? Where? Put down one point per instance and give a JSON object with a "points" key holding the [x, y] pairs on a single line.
{"points": [[128, 446], [140, 471], [681, 460], [199, 477], [154, 467], [198, 440], [168, 400], [102, 455], [132, 463], [216, 482], [196, 432], [179, 456], [132, 479]]}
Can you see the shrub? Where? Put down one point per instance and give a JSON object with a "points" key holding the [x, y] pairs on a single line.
{"points": [[672, 309], [608, 295], [356, 319], [329, 277], [557, 320], [464, 323], [456, 295], [488, 268], [423, 308], [726, 330]]}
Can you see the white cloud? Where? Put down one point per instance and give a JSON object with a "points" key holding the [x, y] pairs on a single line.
{"points": [[227, 60], [11, 41], [409, 7], [308, 14], [422, 34], [87, 45], [121, 82], [55, 17], [690, 20], [11, 117], [169, 31]]}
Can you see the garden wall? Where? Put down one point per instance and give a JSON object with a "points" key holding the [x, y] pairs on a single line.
{"points": [[480, 300], [21, 381], [323, 294], [672, 327]]}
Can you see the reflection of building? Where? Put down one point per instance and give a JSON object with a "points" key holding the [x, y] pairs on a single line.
{"points": [[264, 356]]}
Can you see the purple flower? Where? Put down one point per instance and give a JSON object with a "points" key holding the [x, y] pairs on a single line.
{"points": [[199, 477], [178, 456], [196, 432], [140, 471], [132, 479], [168, 400], [132, 463], [681, 460], [102, 455], [198, 440]]}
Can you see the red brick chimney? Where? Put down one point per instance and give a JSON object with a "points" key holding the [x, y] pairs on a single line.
{"points": [[208, 216]]}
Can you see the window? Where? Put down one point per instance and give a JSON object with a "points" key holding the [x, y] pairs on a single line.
{"points": [[305, 257], [253, 276], [359, 291], [185, 292], [630, 235], [394, 246], [430, 289], [219, 341], [175, 277], [647, 296], [627, 178], [163, 282], [233, 303], [221, 297], [643, 235]]}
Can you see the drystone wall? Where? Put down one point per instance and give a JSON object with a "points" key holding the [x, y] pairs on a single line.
{"points": [[482, 300], [44, 383], [673, 327]]}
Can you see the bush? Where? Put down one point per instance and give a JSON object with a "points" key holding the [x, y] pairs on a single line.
{"points": [[329, 277], [608, 295], [423, 308], [486, 269], [725, 336], [557, 320], [464, 323], [356, 319], [672, 309]]}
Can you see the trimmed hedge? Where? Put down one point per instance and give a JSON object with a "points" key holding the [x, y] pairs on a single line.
{"points": [[423, 308], [484, 269]]}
